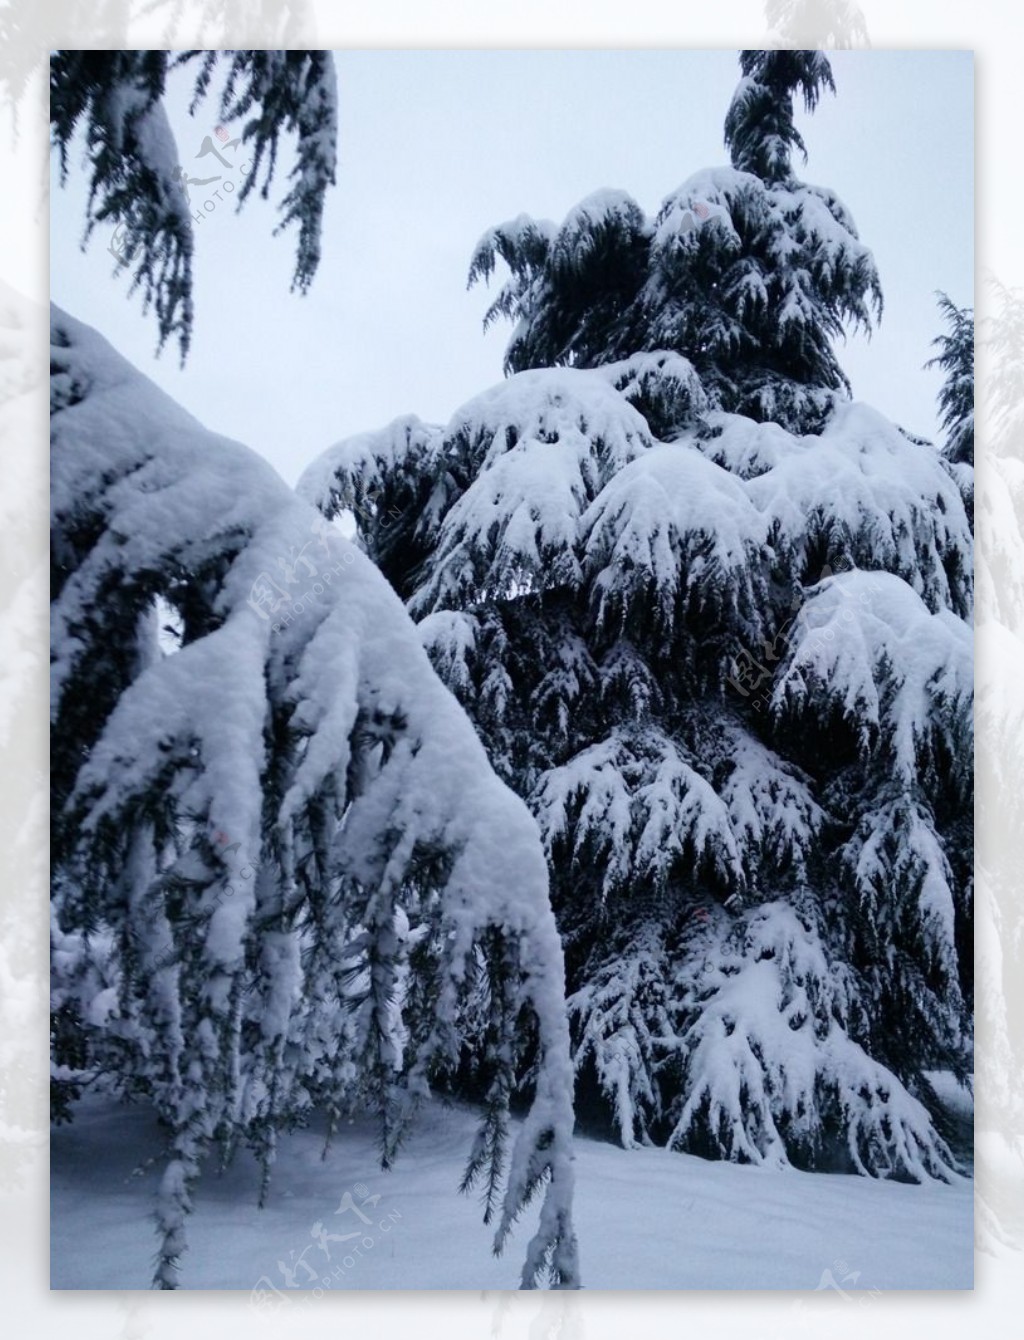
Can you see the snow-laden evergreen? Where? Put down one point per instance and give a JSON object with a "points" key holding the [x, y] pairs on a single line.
{"points": [[956, 397], [286, 879], [690, 721], [136, 181], [115, 98], [726, 661]]}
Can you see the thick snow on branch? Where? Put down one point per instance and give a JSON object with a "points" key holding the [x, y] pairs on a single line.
{"points": [[287, 791], [767, 1056], [638, 807], [871, 496], [538, 449], [897, 673], [771, 807], [368, 458], [621, 1017], [672, 528]]}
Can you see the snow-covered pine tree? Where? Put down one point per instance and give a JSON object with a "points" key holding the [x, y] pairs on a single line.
{"points": [[726, 663], [286, 879], [136, 181]]}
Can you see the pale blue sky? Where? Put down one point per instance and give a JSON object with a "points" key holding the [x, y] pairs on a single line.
{"points": [[436, 146]]}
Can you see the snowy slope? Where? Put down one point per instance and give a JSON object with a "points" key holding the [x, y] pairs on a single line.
{"points": [[646, 1218]]}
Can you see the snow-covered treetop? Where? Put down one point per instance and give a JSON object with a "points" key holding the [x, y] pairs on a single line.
{"points": [[744, 271], [760, 133], [572, 288]]}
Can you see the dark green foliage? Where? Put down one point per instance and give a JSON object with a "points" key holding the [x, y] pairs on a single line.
{"points": [[956, 397], [136, 184]]}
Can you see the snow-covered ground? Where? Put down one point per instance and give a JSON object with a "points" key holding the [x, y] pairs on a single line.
{"points": [[646, 1219]]}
